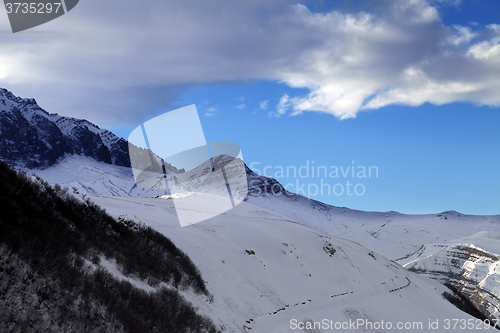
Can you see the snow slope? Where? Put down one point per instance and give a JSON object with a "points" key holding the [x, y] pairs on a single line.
{"points": [[449, 247], [265, 270], [90, 176], [394, 235]]}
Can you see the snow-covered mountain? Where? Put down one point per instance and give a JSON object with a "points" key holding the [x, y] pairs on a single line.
{"points": [[399, 237], [454, 248], [270, 274], [472, 270], [449, 247], [86, 175], [34, 138]]}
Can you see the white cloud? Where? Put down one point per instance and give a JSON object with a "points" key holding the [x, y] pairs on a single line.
{"points": [[241, 106], [111, 66], [263, 104], [210, 111], [405, 57], [463, 35], [488, 50], [472, 75], [282, 107]]}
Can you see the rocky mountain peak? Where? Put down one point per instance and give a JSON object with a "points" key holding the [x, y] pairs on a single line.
{"points": [[33, 138]]}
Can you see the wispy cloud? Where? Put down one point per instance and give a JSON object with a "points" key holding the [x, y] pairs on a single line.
{"points": [[263, 104], [463, 35], [211, 111], [282, 107], [241, 106]]}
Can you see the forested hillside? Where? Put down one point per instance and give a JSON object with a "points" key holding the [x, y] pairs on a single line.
{"points": [[54, 276]]}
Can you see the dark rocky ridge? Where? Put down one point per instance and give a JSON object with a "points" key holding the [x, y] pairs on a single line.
{"points": [[31, 137], [454, 270]]}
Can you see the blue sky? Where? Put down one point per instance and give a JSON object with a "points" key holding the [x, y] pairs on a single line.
{"points": [[429, 158], [411, 87]]}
